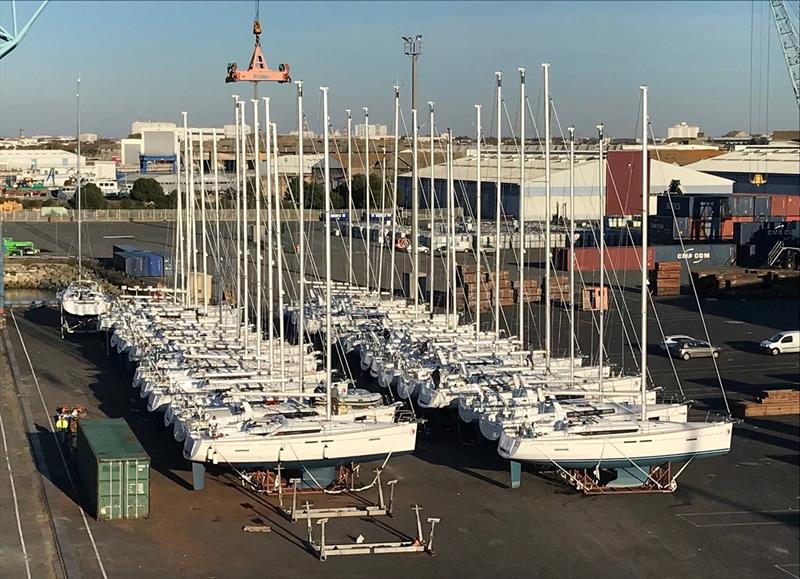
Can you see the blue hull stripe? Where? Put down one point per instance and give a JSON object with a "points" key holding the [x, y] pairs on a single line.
{"points": [[643, 461]]}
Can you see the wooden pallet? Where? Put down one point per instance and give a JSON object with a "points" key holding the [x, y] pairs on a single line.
{"points": [[771, 403]]}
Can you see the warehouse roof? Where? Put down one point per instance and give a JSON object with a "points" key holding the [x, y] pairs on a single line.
{"points": [[781, 159], [586, 172]]}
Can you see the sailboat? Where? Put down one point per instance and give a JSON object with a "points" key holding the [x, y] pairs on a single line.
{"points": [[577, 440], [321, 440], [83, 302]]}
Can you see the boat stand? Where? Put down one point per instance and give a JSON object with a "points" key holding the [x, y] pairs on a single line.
{"points": [[294, 513], [630, 480], [417, 545]]}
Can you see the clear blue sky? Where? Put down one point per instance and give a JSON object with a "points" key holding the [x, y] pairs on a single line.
{"points": [[150, 60]]}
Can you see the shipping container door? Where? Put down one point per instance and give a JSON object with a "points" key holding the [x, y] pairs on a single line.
{"points": [[137, 489], [110, 489]]}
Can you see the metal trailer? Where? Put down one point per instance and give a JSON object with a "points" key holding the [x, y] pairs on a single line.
{"points": [[416, 545]]}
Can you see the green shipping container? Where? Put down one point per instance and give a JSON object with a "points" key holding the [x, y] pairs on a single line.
{"points": [[114, 470]]}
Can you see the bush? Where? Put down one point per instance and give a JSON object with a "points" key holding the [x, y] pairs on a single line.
{"points": [[91, 198], [149, 192]]}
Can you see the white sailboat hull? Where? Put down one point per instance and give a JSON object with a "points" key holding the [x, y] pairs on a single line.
{"points": [[652, 443], [358, 443]]}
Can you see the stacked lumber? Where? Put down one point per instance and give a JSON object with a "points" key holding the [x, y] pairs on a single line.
{"points": [[471, 298], [665, 279], [559, 288], [531, 291], [772, 403]]}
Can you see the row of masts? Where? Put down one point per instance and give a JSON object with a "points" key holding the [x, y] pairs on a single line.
{"points": [[186, 234]]}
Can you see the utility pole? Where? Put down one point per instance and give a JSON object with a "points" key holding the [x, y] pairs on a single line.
{"points": [[413, 48]]}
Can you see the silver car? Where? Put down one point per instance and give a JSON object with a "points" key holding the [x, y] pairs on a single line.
{"points": [[693, 349]]}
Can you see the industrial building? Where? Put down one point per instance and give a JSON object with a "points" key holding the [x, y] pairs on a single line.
{"points": [[622, 180], [758, 169]]}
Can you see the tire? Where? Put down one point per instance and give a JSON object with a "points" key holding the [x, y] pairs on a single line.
{"points": [[715, 354], [686, 356], [775, 351]]}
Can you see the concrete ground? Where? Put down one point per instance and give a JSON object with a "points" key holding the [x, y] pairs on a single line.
{"points": [[735, 515]]}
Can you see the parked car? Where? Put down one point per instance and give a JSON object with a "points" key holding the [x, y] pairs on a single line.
{"points": [[669, 341], [693, 349], [782, 343]]}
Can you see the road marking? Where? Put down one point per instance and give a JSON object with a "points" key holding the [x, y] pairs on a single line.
{"points": [[58, 446], [735, 518], [128, 237], [14, 496], [796, 566]]}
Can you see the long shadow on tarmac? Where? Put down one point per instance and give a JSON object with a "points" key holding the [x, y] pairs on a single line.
{"points": [[111, 386]]}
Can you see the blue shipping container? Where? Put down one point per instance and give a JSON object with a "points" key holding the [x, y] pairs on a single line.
{"points": [[166, 260], [153, 264], [131, 262]]}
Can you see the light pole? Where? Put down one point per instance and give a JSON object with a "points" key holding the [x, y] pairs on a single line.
{"points": [[413, 48]]}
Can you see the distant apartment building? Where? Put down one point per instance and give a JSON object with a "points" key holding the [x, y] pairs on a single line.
{"points": [[375, 131], [138, 127], [682, 131], [89, 137]]}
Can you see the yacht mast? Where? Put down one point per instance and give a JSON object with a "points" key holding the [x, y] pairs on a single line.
{"points": [[521, 304], [186, 229], [394, 186], [178, 264], [238, 220], [257, 235], [268, 184], [278, 253], [645, 200], [572, 254], [192, 217], [431, 205], [301, 321], [328, 305], [547, 302], [452, 228], [498, 203], [245, 248], [369, 193], [478, 245], [203, 221], [602, 244], [415, 212], [78, 180], [218, 243], [350, 197]]}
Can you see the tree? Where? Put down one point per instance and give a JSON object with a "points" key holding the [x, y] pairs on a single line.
{"points": [[149, 192], [91, 198], [313, 194], [360, 191]]}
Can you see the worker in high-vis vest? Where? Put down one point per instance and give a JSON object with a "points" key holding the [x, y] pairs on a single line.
{"points": [[62, 424]]}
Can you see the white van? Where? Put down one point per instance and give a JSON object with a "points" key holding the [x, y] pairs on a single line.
{"points": [[782, 343]]}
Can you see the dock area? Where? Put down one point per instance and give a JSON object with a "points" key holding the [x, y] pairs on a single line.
{"points": [[719, 520]]}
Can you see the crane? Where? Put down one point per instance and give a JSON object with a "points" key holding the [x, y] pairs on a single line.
{"points": [[258, 71], [789, 42], [10, 40]]}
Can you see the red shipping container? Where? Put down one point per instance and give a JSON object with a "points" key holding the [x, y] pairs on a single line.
{"points": [[616, 258], [624, 183], [727, 229], [784, 205], [742, 219]]}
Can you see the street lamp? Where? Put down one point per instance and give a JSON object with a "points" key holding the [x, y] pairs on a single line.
{"points": [[413, 48]]}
